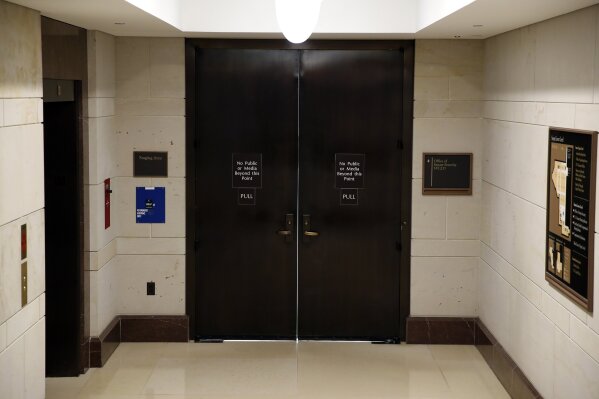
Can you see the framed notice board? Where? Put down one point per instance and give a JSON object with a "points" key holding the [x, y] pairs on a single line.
{"points": [[447, 174], [569, 246]]}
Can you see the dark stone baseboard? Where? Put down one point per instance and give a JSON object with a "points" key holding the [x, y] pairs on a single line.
{"points": [[440, 330], [471, 331], [154, 329], [102, 347], [507, 371], [137, 329]]}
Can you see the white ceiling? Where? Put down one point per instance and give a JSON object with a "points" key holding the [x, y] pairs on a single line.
{"points": [[345, 19]]}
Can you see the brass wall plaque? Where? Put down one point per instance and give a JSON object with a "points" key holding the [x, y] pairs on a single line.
{"points": [[447, 173], [569, 244], [23, 284]]}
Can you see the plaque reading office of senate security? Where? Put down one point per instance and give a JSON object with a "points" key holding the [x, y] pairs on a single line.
{"points": [[150, 164], [569, 246], [446, 174]]}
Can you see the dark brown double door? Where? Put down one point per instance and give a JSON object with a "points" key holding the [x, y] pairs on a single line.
{"points": [[302, 242]]}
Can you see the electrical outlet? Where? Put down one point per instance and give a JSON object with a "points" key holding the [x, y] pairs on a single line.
{"points": [[151, 288]]}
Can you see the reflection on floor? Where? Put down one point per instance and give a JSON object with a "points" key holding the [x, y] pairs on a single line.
{"points": [[269, 370]]}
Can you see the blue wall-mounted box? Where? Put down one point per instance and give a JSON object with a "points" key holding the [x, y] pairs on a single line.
{"points": [[150, 205]]}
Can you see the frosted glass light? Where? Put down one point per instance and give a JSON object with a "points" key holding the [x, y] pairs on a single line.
{"points": [[297, 18]]}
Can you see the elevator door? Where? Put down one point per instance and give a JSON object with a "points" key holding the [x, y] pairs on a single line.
{"points": [[308, 246], [246, 273], [350, 122]]}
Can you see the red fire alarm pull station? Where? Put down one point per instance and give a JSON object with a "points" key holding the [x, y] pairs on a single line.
{"points": [[107, 192], [23, 242]]}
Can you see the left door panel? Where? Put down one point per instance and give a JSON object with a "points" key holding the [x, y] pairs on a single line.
{"points": [[246, 270]]}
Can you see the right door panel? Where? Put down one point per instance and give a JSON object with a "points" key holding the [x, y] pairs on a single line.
{"points": [[350, 121]]}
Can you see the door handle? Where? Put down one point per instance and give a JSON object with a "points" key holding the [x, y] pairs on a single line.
{"points": [[306, 228], [287, 232]]}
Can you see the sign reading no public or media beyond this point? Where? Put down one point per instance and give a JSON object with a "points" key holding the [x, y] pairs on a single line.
{"points": [[247, 170], [350, 170]]}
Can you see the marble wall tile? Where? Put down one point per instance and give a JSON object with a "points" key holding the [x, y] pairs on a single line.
{"points": [[516, 232], [98, 259], [150, 106], [42, 300], [167, 271], [429, 212], [466, 87], [35, 361], [175, 208], [520, 169], [101, 59], [447, 109], [124, 207], [21, 160], [593, 319], [106, 254], [102, 157], [103, 296], [160, 133], [12, 369], [547, 114], [21, 52], [10, 263], [494, 294], [587, 117], [558, 314], [498, 264], [431, 88], [531, 345], [564, 57], [445, 248], [586, 338], [510, 65], [3, 343], [10, 270], [575, 371], [21, 111], [167, 67], [449, 57], [36, 252], [447, 135], [132, 67], [22, 321], [463, 214], [151, 246], [443, 286], [99, 237], [40, 111], [528, 289], [100, 107]]}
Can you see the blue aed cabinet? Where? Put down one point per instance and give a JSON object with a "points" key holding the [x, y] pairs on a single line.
{"points": [[150, 205]]}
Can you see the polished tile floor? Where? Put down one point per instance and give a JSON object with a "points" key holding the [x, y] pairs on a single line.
{"points": [[282, 370]]}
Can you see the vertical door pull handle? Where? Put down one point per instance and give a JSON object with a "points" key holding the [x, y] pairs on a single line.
{"points": [[306, 228], [287, 231]]}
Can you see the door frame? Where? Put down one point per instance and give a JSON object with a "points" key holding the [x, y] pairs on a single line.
{"points": [[404, 144]]}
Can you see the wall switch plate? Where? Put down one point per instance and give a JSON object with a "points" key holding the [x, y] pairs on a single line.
{"points": [[151, 288], [23, 284]]}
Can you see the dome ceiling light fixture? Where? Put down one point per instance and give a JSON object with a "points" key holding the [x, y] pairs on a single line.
{"points": [[297, 19]]}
